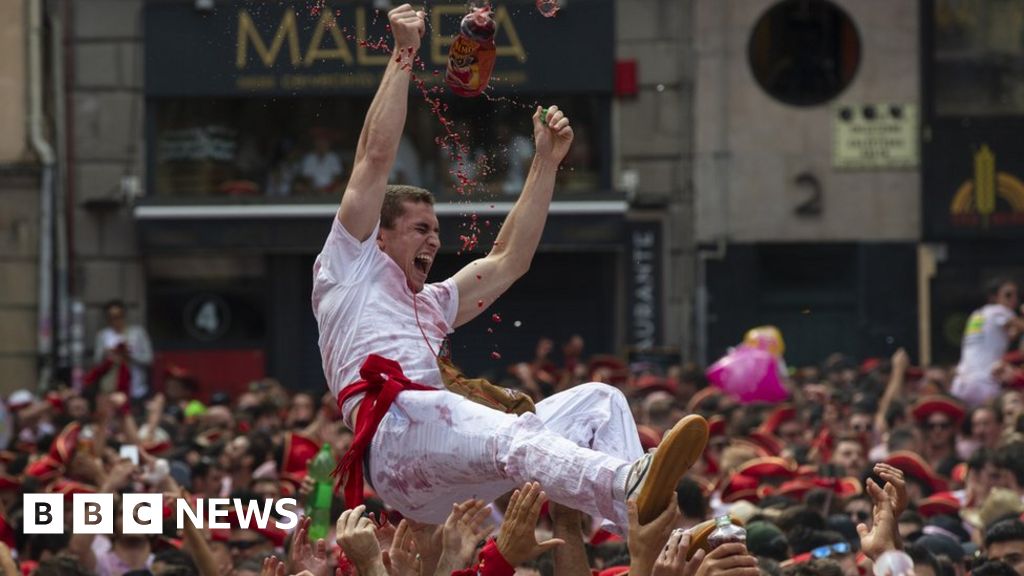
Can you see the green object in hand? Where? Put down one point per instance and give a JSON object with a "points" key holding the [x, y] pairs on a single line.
{"points": [[543, 115], [318, 506]]}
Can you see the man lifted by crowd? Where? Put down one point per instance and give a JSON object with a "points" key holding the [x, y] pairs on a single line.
{"points": [[421, 447]]}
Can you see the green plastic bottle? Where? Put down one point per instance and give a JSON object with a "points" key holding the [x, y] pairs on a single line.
{"points": [[318, 507]]}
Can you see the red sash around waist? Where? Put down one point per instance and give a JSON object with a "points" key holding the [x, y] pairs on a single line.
{"points": [[382, 382]]}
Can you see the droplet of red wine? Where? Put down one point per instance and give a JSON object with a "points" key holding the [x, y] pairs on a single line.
{"points": [[479, 303], [495, 318], [495, 356], [548, 7], [478, 277]]}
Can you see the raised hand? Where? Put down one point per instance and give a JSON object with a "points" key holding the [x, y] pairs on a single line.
{"points": [[428, 544], [645, 541], [466, 526], [357, 537], [272, 566], [552, 133], [900, 360], [517, 542], [672, 561], [402, 558], [881, 537], [303, 555], [895, 487], [727, 560], [119, 477], [408, 27]]}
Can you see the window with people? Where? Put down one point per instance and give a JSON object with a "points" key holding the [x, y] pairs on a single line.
{"points": [[282, 148]]}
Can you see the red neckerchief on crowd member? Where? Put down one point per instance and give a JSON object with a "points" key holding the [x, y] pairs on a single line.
{"points": [[124, 375], [382, 381]]}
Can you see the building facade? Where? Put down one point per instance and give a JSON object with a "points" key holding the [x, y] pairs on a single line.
{"points": [[846, 170], [807, 174], [20, 178], [203, 136]]}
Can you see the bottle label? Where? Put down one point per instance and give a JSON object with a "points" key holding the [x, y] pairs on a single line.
{"points": [[470, 63]]}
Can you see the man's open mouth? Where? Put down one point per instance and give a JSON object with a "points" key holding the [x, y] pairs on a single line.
{"points": [[423, 262]]}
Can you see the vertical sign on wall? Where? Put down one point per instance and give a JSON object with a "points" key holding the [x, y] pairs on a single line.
{"points": [[644, 298]]}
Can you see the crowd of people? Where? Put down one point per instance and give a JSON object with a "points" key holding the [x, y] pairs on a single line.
{"points": [[808, 479], [872, 466]]}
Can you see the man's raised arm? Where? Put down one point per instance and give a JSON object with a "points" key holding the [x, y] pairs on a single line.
{"points": [[482, 281], [382, 130]]}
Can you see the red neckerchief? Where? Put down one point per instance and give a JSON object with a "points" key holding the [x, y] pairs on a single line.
{"points": [[123, 381], [382, 381]]}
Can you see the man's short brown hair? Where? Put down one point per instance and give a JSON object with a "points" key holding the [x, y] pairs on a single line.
{"points": [[394, 199]]}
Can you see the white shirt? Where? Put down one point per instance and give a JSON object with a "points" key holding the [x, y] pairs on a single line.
{"points": [[984, 343], [140, 351], [363, 305], [322, 170]]}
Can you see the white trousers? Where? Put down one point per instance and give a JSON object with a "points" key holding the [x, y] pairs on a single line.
{"points": [[434, 449]]}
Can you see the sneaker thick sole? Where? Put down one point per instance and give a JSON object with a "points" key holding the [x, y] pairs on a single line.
{"points": [[680, 448]]}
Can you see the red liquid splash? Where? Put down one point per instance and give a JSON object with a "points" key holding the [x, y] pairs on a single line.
{"points": [[495, 318], [548, 8]]}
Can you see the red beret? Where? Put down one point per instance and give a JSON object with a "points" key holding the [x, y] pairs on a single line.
{"points": [[783, 413], [651, 383], [935, 404], [914, 466], [943, 503], [739, 487], [768, 466], [770, 444], [64, 445]]}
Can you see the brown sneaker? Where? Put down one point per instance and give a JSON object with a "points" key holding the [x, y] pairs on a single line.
{"points": [[653, 478]]}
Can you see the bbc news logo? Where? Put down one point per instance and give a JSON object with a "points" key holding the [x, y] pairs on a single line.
{"points": [[143, 513]]}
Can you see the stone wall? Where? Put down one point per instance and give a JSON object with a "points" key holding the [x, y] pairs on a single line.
{"points": [[108, 114], [655, 137], [750, 147], [19, 276]]}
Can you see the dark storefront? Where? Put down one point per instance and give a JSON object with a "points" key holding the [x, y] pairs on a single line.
{"points": [[239, 98], [973, 155], [857, 299]]}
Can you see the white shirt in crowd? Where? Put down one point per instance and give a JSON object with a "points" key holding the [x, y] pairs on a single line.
{"points": [[984, 343], [363, 306], [140, 351], [321, 170]]}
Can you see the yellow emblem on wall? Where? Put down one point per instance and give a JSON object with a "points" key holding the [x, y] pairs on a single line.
{"points": [[979, 195]]}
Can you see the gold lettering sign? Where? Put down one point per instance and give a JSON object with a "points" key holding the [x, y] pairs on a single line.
{"points": [[247, 32], [341, 52], [507, 42]]}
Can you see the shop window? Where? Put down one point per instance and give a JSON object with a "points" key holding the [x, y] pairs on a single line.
{"points": [[304, 148], [978, 57], [804, 52]]}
